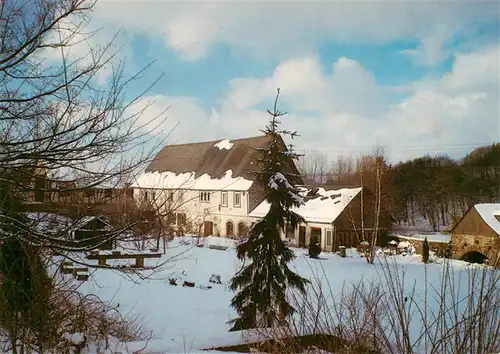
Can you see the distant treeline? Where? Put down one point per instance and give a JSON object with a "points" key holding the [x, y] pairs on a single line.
{"points": [[438, 188], [442, 189]]}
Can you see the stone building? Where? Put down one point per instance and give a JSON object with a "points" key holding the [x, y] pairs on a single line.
{"points": [[476, 237]]}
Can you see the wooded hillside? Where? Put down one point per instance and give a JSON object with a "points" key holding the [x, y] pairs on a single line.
{"points": [[438, 189]]}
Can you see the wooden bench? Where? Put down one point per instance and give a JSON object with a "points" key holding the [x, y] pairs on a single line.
{"points": [[79, 272], [139, 257], [217, 247]]}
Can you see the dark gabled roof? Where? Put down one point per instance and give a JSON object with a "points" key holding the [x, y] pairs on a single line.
{"points": [[204, 157]]}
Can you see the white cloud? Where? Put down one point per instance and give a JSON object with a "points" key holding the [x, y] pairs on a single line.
{"points": [[82, 44], [475, 70], [288, 28], [432, 49], [345, 110]]}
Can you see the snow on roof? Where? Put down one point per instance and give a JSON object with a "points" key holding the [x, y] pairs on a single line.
{"points": [[490, 213], [80, 223], [322, 207], [224, 145], [49, 222], [170, 180]]}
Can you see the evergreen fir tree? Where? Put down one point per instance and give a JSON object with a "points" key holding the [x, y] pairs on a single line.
{"points": [[26, 287], [425, 251], [314, 247], [262, 284]]}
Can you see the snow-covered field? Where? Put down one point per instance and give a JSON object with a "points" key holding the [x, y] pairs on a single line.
{"points": [[188, 319], [431, 237]]}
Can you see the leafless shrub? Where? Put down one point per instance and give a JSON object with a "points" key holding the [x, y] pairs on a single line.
{"points": [[97, 320], [458, 313], [73, 314], [63, 132]]}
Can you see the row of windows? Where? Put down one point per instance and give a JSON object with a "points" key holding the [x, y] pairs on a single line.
{"points": [[290, 233], [83, 195], [178, 219], [328, 232], [204, 197], [242, 230], [224, 201], [152, 195]]}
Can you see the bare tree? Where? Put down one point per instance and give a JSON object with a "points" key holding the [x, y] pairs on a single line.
{"points": [[313, 165], [370, 173], [56, 114], [342, 170]]}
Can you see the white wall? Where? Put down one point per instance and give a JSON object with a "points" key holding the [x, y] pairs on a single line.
{"points": [[188, 201], [324, 228], [195, 205]]}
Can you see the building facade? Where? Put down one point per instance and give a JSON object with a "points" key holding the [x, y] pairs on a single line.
{"points": [[337, 216], [476, 236], [206, 188]]}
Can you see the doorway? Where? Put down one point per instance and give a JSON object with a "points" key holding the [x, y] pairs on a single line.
{"points": [[302, 236], [229, 229], [208, 228], [316, 231]]}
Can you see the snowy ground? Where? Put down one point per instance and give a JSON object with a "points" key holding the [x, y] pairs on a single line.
{"points": [[187, 319], [431, 237], [421, 225]]}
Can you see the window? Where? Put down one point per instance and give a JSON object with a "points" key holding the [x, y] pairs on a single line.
{"points": [[328, 237], [145, 196], [39, 183], [65, 193], [290, 231], [181, 196], [354, 239], [181, 219], [39, 195], [205, 197], [108, 193], [343, 239], [237, 199], [229, 229], [89, 192], [170, 196], [223, 201], [242, 229]]}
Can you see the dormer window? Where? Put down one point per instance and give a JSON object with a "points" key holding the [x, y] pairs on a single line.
{"points": [[205, 197]]}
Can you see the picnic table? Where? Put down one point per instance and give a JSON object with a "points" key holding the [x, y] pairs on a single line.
{"points": [[139, 257], [217, 247]]}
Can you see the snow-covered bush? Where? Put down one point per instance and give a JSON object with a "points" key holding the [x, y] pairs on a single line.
{"points": [[314, 248]]}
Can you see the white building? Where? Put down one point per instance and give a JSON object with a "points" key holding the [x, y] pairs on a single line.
{"points": [[209, 187], [327, 214]]}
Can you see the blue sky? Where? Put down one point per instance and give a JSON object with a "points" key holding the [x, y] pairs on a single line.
{"points": [[414, 77]]}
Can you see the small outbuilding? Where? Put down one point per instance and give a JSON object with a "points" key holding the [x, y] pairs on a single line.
{"points": [[476, 236], [94, 232]]}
